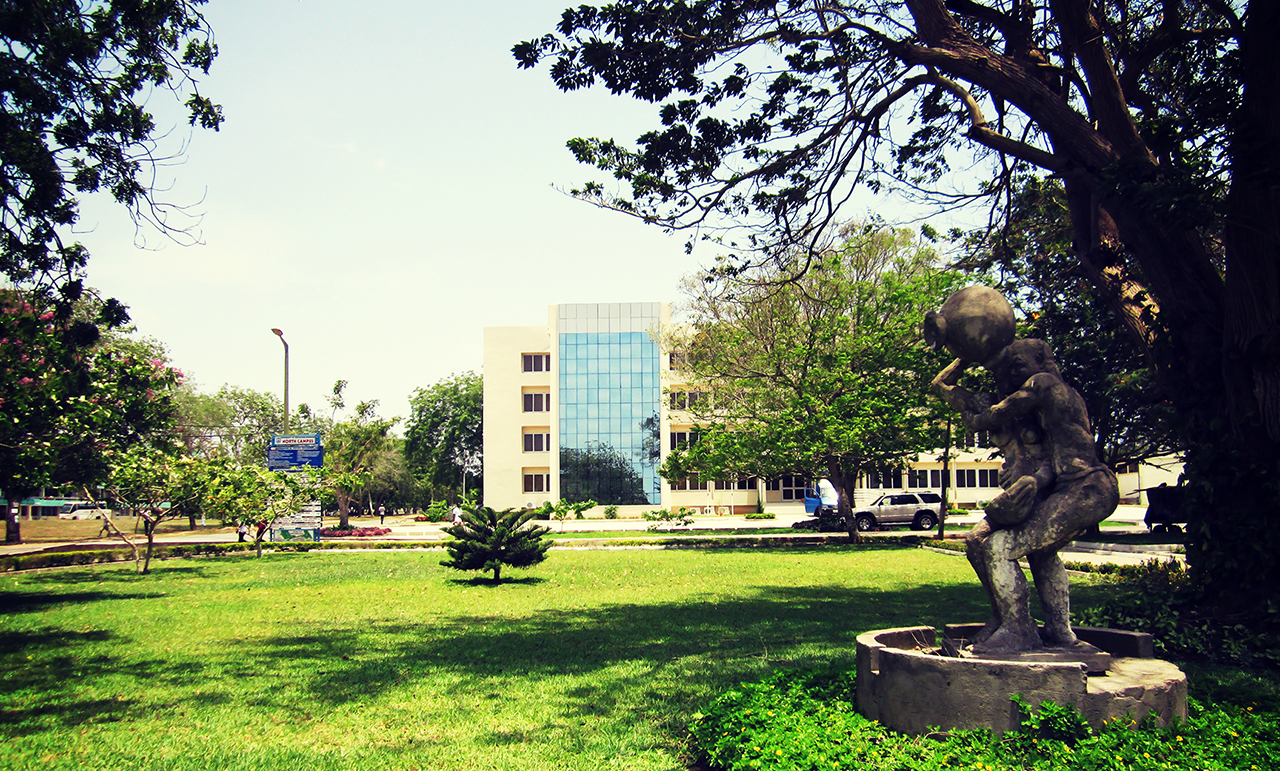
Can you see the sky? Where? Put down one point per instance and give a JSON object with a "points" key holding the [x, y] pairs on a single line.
{"points": [[387, 184]]}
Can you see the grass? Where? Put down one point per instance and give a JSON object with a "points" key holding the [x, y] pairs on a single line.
{"points": [[56, 530], [387, 660]]}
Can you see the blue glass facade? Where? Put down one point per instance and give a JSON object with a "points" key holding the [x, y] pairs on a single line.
{"points": [[609, 392]]}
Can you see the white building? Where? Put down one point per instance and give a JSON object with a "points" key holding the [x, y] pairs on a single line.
{"points": [[586, 406]]}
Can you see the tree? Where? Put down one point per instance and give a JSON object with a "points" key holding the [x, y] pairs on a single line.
{"points": [[821, 375], [77, 74], [68, 398], [1157, 115], [351, 450], [155, 486], [488, 539], [1097, 357], [444, 438]]}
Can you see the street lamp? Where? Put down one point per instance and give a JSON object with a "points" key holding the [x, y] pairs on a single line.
{"points": [[280, 335]]}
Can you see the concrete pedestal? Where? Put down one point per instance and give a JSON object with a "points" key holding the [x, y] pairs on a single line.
{"points": [[906, 683]]}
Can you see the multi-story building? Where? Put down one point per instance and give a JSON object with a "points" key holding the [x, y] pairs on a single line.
{"points": [[587, 406]]}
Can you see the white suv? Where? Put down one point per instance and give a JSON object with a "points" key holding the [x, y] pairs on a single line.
{"points": [[920, 510]]}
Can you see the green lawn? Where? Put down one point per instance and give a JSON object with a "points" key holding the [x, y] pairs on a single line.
{"points": [[386, 660]]}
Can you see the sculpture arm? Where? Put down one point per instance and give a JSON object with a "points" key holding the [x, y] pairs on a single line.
{"points": [[1015, 405], [944, 385]]}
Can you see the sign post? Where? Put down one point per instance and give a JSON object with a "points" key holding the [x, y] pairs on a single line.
{"points": [[296, 453]]}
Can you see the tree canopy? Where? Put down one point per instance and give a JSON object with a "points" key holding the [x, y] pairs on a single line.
{"points": [[1158, 116], [77, 74], [821, 375], [444, 437]]}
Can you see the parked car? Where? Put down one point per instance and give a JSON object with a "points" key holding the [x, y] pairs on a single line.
{"points": [[920, 510], [83, 511]]}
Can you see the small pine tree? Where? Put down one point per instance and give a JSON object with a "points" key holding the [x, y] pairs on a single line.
{"points": [[488, 539]]}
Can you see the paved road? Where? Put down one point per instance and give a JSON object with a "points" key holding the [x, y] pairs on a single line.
{"points": [[405, 529]]}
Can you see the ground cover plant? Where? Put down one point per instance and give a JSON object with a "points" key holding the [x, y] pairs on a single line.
{"points": [[795, 720], [385, 659]]}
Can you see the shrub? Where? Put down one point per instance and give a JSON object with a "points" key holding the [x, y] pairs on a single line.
{"points": [[488, 539], [1158, 597], [760, 515], [611, 512], [354, 532], [807, 720], [668, 518]]}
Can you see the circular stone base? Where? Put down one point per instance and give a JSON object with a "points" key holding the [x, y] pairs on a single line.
{"points": [[905, 683]]}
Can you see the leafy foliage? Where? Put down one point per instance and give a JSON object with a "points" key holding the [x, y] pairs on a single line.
{"points": [[69, 397], [1157, 116], [352, 451], [77, 74], [489, 539], [807, 720], [1031, 256], [1158, 597], [821, 374], [444, 437]]}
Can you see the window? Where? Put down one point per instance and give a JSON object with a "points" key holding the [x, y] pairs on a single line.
{"points": [[690, 482], [686, 400], [935, 478], [1127, 468], [988, 477], [537, 440], [537, 402], [685, 438], [966, 477], [537, 482], [917, 478], [536, 362], [884, 478], [975, 440], [793, 488], [747, 483]]}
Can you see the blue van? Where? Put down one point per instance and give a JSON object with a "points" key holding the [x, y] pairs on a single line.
{"points": [[821, 498]]}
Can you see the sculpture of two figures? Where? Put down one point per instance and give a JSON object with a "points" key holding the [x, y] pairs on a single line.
{"points": [[1054, 486]]}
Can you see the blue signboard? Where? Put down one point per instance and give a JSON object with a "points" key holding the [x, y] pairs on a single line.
{"points": [[288, 451]]}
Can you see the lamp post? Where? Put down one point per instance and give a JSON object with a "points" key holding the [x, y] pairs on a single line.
{"points": [[280, 335]]}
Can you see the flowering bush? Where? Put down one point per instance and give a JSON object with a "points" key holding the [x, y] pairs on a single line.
{"points": [[354, 532]]}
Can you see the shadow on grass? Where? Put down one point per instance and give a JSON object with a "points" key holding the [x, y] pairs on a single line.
{"points": [[111, 573], [639, 663], [482, 581]]}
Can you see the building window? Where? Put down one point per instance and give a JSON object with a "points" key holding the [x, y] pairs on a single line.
{"points": [[935, 478], [537, 402], [792, 488], [690, 482], [966, 477], [886, 478], [535, 482], [686, 400], [1127, 468], [683, 438], [988, 477], [536, 362], [917, 478], [537, 440]]}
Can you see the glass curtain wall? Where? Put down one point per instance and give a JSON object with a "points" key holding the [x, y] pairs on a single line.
{"points": [[609, 391]]}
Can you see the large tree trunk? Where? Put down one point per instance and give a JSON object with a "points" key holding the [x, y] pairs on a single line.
{"points": [[344, 510], [1234, 428], [12, 531]]}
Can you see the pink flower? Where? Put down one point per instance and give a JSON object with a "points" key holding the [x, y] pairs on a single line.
{"points": [[25, 381]]}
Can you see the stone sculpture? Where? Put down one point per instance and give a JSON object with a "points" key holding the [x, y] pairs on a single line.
{"points": [[1053, 485]]}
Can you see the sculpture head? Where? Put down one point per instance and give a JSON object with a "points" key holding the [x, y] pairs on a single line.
{"points": [[974, 324], [1018, 361]]}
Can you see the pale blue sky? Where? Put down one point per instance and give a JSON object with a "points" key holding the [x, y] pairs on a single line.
{"points": [[381, 191]]}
